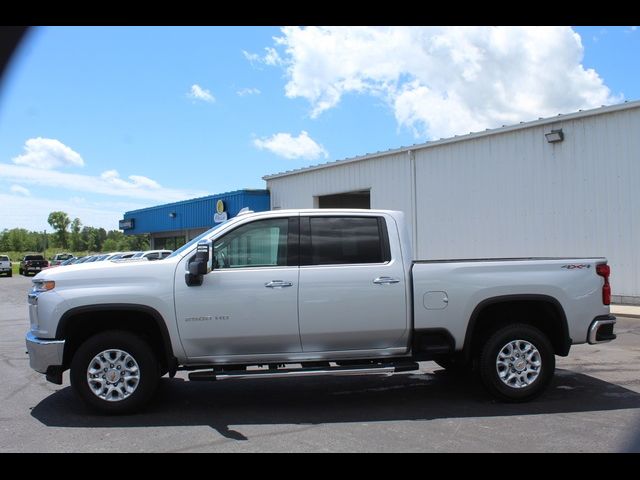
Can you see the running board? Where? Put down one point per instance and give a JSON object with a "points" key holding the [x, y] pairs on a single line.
{"points": [[304, 372]]}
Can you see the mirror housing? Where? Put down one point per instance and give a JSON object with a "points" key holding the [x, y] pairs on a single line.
{"points": [[201, 264]]}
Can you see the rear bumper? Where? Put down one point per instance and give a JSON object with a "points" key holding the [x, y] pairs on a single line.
{"points": [[44, 353], [601, 329]]}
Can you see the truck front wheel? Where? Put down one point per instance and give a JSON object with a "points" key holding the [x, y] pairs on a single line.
{"points": [[115, 372], [517, 363]]}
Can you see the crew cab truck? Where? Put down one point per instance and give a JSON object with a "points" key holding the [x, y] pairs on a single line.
{"points": [[32, 264], [310, 292], [5, 266]]}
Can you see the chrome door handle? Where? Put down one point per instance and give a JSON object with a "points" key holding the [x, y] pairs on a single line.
{"points": [[278, 284], [385, 280]]}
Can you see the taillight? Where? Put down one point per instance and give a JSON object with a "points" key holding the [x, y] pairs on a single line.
{"points": [[604, 271]]}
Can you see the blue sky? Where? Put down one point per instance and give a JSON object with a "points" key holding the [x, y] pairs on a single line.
{"points": [[96, 121]]}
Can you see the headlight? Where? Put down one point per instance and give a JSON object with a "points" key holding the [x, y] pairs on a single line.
{"points": [[40, 286]]}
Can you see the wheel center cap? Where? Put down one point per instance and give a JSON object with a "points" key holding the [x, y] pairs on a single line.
{"points": [[112, 376], [520, 364]]}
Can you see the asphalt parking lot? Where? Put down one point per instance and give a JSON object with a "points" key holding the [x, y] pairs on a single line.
{"points": [[593, 405]]}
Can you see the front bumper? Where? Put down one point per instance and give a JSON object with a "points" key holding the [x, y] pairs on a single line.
{"points": [[601, 329], [45, 354]]}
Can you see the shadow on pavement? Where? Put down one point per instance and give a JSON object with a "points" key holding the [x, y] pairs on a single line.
{"points": [[310, 401]]}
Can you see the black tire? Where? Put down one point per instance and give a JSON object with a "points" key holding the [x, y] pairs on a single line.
{"points": [[10, 274], [20, 271], [136, 347], [539, 376]]}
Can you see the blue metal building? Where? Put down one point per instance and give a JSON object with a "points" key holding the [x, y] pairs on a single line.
{"points": [[173, 224]]}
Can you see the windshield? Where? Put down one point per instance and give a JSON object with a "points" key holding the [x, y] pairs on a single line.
{"points": [[191, 243]]}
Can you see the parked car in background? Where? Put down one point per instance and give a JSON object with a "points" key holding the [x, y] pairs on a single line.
{"points": [[5, 266], [82, 259], [152, 254], [59, 258], [32, 264], [99, 257], [69, 261], [122, 256]]}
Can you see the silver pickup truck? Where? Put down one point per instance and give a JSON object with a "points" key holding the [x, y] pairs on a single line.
{"points": [[311, 292], [5, 266]]}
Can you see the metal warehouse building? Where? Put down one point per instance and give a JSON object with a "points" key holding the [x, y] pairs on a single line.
{"points": [[173, 224], [562, 186]]}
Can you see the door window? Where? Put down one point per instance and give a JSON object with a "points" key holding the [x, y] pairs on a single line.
{"points": [[258, 244]]}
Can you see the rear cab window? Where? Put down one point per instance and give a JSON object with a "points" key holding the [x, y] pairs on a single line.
{"points": [[340, 240]]}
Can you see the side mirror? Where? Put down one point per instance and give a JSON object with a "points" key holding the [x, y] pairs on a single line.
{"points": [[201, 264]]}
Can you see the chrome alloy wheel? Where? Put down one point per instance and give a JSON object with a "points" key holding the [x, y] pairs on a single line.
{"points": [[518, 364], [113, 375]]}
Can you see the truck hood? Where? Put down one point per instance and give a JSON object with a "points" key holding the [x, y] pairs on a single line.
{"points": [[109, 273]]}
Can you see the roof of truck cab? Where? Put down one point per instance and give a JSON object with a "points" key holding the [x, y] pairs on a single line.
{"points": [[328, 211]]}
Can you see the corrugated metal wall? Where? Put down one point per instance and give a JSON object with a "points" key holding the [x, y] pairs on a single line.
{"points": [[386, 177], [508, 194], [196, 213]]}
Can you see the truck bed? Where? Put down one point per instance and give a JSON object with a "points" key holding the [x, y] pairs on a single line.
{"points": [[446, 292]]}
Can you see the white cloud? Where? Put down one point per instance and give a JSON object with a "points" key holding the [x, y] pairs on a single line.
{"points": [[19, 189], [137, 181], [108, 183], [32, 212], [199, 93], [252, 57], [287, 146], [272, 57], [243, 92], [48, 153], [441, 81]]}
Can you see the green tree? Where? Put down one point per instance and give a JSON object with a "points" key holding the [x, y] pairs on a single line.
{"points": [[89, 236], [4, 241], [110, 245], [59, 221], [101, 236], [75, 238], [138, 242], [19, 239]]}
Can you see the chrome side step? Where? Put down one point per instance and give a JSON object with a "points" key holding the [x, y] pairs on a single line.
{"points": [[385, 370]]}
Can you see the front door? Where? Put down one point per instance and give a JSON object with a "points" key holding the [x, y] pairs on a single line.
{"points": [[248, 305]]}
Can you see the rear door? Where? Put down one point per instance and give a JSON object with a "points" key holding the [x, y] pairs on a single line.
{"points": [[351, 293]]}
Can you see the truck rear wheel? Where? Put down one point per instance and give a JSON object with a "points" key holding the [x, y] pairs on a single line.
{"points": [[517, 363], [115, 372]]}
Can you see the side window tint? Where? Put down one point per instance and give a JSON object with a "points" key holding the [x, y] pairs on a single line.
{"points": [[258, 244], [340, 240]]}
